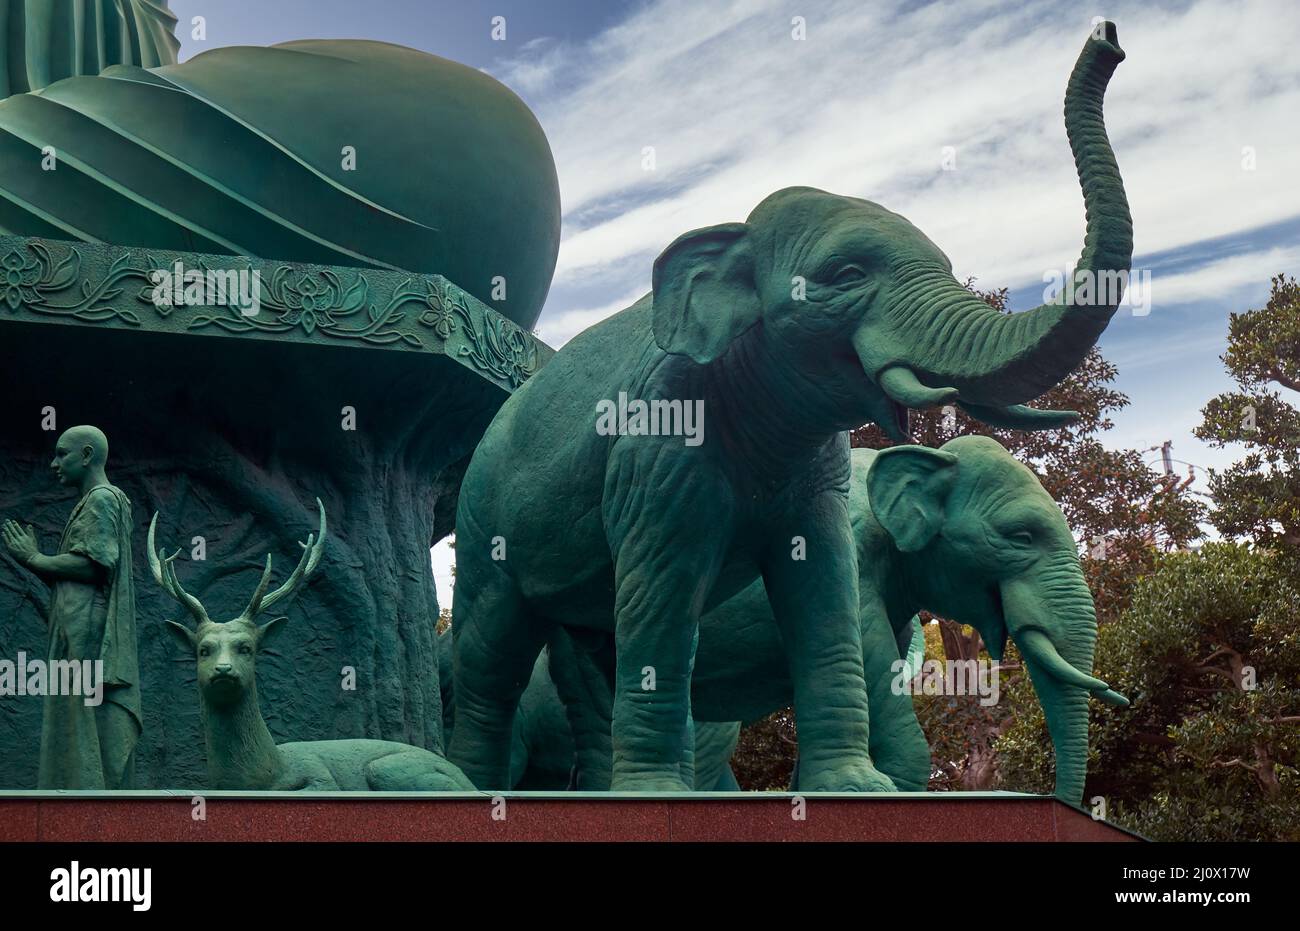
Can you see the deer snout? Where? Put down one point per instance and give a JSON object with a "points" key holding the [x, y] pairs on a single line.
{"points": [[223, 669]]}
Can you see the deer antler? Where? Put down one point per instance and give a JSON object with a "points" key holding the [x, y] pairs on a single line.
{"points": [[165, 575], [311, 553]]}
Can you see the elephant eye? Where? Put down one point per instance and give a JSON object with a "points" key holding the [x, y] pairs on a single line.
{"points": [[1023, 537], [848, 275]]}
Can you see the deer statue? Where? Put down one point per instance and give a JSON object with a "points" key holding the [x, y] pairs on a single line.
{"points": [[241, 752]]}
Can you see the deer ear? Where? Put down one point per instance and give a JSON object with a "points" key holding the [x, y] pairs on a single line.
{"points": [[704, 292], [269, 630], [184, 636]]}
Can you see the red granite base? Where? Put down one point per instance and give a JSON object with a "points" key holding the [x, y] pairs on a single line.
{"points": [[743, 817]]}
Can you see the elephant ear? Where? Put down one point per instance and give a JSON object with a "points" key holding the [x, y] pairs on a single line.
{"points": [[704, 293], [908, 487]]}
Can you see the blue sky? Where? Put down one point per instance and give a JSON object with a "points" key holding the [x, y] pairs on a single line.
{"points": [[1202, 115]]}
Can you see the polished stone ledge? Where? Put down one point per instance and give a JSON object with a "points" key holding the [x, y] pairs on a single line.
{"points": [[544, 816]]}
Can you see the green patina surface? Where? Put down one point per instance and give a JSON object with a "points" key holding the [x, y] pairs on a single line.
{"points": [[815, 315], [267, 161], [327, 151], [116, 162], [211, 426], [44, 281]]}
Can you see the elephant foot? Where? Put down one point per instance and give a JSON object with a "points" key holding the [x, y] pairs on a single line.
{"points": [[485, 779], [849, 777], [648, 782]]}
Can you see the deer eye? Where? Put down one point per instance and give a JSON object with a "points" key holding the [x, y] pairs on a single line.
{"points": [[204, 651], [245, 649]]}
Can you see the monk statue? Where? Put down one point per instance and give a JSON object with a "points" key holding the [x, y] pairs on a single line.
{"points": [[338, 152], [92, 617], [389, 161]]}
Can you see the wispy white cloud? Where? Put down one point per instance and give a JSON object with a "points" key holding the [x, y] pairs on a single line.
{"points": [[1226, 276], [534, 69], [734, 107], [558, 329]]}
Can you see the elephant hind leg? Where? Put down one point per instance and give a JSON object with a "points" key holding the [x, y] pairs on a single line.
{"points": [[583, 674], [496, 642]]}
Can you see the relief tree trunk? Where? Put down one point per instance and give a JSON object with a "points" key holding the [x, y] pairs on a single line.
{"points": [[231, 439]]}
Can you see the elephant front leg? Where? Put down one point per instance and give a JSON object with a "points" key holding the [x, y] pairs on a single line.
{"points": [[811, 580], [496, 641], [668, 552], [658, 612]]}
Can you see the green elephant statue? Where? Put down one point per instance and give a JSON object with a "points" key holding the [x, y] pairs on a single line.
{"points": [[816, 315], [965, 531], [579, 674], [543, 755]]}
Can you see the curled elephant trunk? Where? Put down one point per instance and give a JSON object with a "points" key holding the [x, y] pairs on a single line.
{"points": [[1052, 620], [958, 348]]}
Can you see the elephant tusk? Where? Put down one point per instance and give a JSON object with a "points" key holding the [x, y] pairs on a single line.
{"points": [[902, 386], [1038, 648], [1019, 417], [915, 657], [1111, 697]]}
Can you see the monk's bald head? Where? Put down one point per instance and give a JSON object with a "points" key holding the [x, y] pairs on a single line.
{"points": [[80, 455], [79, 438]]}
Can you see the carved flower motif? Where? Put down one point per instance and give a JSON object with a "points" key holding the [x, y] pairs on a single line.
{"points": [[439, 316], [18, 276], [314, 300], [503, 349], [442, 321]]}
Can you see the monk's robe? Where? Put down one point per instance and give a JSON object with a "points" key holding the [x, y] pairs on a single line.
{"points": [[336, 152], [84, 746]]}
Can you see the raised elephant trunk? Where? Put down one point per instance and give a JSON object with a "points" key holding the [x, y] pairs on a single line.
{"points": [[1053, 622], [958, 348]]}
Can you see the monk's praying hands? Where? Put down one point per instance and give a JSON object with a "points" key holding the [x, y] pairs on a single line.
{"points": [[20, 540]]}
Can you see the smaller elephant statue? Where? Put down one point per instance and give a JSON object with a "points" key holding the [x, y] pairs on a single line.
{"points": [[966, 532], [240, 750]]}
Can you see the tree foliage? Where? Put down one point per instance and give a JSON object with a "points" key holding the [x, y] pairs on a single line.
{"points": [[765, 753], [1258, 498], [1209, 655], [1209, 648]]}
